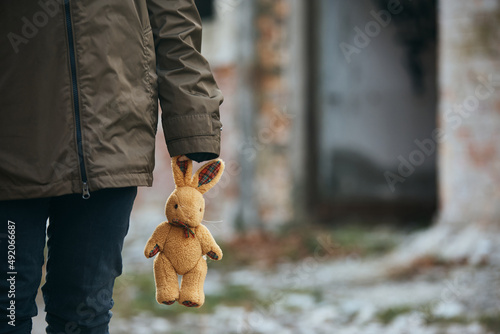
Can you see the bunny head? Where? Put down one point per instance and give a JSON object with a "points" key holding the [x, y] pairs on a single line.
{"points": [[186, 203]]}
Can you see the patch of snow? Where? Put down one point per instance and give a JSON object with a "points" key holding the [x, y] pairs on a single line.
{"points": [[448, 310]]}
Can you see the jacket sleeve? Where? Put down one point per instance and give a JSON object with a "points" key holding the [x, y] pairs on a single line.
{"points": [[189, 96]]}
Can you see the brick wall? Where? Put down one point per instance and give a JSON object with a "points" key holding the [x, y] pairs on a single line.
{"points": [[249, 47]]}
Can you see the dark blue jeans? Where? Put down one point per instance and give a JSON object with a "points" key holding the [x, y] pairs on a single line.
{"points": [[84, 243]]}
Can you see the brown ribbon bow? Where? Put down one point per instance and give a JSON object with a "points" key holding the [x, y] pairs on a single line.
{"points": [[186, 227]]}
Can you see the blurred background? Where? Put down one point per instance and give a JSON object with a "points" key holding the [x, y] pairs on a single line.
{"points": [[361, 191]]}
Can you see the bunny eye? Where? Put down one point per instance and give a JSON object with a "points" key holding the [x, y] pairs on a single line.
{"points": [[201, 209], [176, 206]]}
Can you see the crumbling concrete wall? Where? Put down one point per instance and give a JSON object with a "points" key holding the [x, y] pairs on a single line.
{"points": [[469, 113]]}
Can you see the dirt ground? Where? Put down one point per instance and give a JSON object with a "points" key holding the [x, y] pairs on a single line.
{"points": [[333, 287]]}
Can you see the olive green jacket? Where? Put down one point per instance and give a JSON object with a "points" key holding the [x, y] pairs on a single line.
{"points": [[79, 85]]}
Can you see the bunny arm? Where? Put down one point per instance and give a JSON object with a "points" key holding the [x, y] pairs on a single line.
{"points": [[208, 244], [157, 239]]}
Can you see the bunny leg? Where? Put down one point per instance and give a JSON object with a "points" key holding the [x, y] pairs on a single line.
{"points": [[167, 284], [192, 294]]}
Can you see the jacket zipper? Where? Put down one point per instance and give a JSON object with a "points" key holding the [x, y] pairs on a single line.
{"points": [[76, 105]]}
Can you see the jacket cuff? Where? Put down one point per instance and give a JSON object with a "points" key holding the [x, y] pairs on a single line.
{"points": [[184, 126], [196, 144], [193, 134]]}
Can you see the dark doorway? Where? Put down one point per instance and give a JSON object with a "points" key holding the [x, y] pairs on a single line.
{"points": [[373, 99]]}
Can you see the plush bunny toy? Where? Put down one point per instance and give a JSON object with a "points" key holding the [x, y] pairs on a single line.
{"points": [[182, 240]]}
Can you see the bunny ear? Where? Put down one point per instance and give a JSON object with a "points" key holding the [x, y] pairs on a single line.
{"points": [[182, 171], [208, 175]]}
